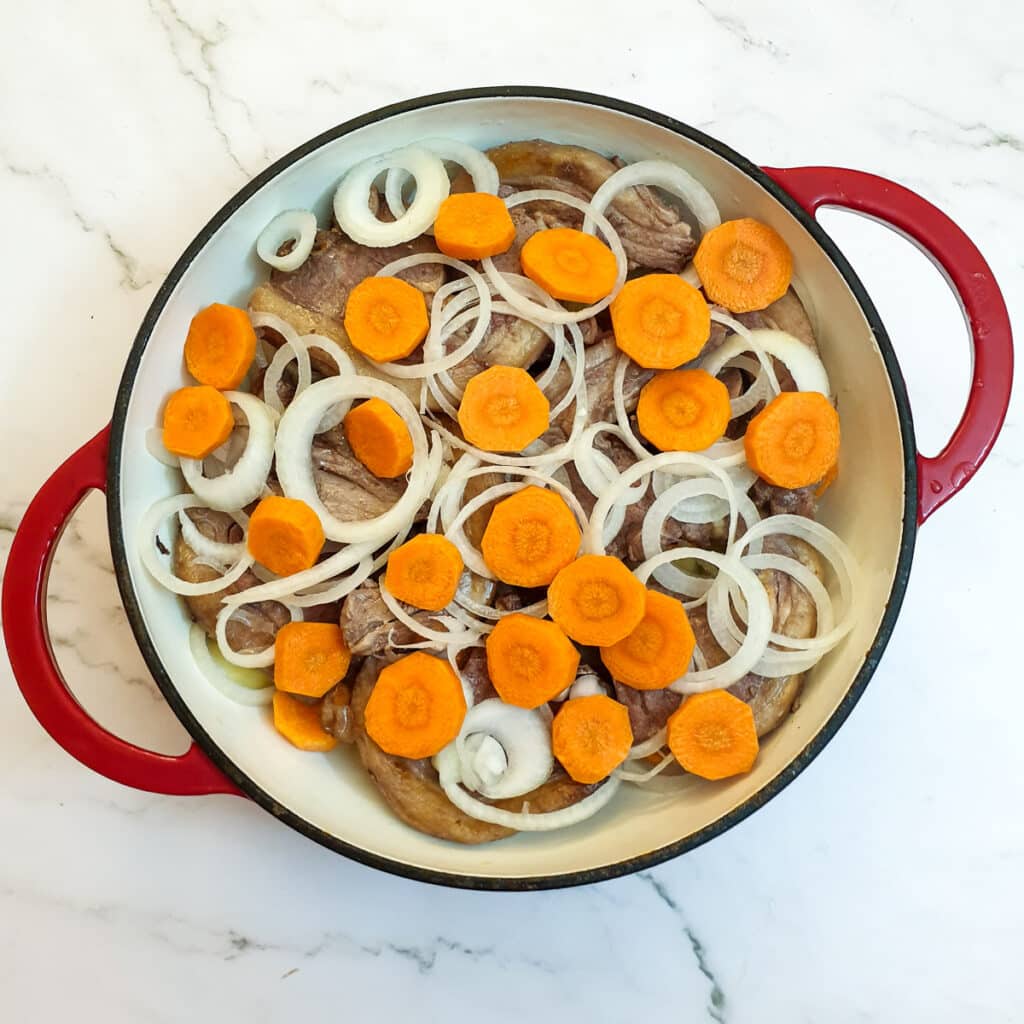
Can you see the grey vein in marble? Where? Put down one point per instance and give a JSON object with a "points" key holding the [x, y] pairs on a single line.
{"points": [[716, 1003], [735, 27]]}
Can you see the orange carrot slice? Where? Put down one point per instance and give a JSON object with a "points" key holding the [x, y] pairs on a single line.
{"points": [[683, 410], [660, 321], [425, 572], [794, 440], [597, 600], [503, 410], [530, 660], [658, 650], [285, 535], [743, 265], [379, 438], [386, 318], [591, 737], [220, 346], [299, 723], [197, 420], [309, 657], [713, 735], [569, 264], [472, 225]]}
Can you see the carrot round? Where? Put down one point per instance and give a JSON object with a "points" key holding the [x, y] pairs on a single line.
{"points": [[530, 661], [386, 318], [299, 723], [425, 572], [597, 600], [285, 535], [569, 264], [794, 440], [743, 265], [658, 650], [713, 735], [309, 657], [196, 421], [503, 410], [379, 438], [591, 737], [683, 410], [660, 321], [827, 480], [416, 707], [220, 346], [472, 225], [530, 536]]}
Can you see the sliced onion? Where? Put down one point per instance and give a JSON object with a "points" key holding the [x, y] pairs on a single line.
{"points": [[667, 176], [219, 552], [804, 365], [752, 346], [258, 659], [522, 738], [148, 525], [243, 482], [544, 313], [587, 685], [295, 468], [291, 349], [352, 206], [759, 624], [336, 591], [651, 745], [479, 166], [251, 696], [459, 635], [639, 778], [155, 447], [690, 276], [292, 225], [448, 767]]}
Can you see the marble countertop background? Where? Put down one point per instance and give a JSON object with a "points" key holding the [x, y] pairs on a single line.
{"points": [[885, 884]]}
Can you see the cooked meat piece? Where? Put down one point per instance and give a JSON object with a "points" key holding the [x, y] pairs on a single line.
{"points": [[788, 314], [412, 791], [369, 627], [649, 710], [312, 299], [473, 668], [336, 713], [653, 233], [774, 501], [510, 601]]}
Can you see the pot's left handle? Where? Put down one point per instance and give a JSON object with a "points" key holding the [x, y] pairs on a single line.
{"points": [[31, 655]]}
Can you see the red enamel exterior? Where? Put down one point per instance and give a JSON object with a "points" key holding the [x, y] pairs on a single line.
{"points": [[939, 478], [24, 590], [31, 656]]}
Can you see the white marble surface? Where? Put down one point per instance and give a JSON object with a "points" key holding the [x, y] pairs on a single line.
{"points": [[884, 885]]}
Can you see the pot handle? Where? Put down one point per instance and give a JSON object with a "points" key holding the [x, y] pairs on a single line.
{"points": [[31, 655], [970, 277]]}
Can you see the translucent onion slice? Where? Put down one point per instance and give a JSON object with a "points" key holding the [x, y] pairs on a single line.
{"points": [[258, 659], [651, 745], [523, 741], [155, 447], [295, 468], [709, 506], [448, 767], [752, 346], [147, 534], [351, 199], [336, 591], [759, 618], [250, 696], [640, 778], [243, 483], [220, 552], [805, 367], [664, 175], [479, 166], [298, 226], [545, 313], [457, 634]]}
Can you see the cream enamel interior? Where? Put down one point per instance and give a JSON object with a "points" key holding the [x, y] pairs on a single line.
{"points": [[865, 506]]}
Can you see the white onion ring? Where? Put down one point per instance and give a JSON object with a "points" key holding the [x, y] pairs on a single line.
{"points": [[297, 225], [295, 469], [248, 695], [523, 736], [460, 636], [335, 591], [753, 345], [155, 447], [148, 524], [448, 767], [667, 176], [651, 745], [479, 166], [221, 552], [258, 659], [243, 482], [640, 778], [544, 313], [804, 365]]}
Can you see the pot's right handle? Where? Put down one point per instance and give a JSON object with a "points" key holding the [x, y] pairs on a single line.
{"points": [[31, 655], [969, 276]]}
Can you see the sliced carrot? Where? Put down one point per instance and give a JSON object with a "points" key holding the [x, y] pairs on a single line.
{"points": [[416, 707], [660, 321], [713, 735], [597, 600], [569, 264], [425, 572], [658, 650], [743, 265], [196, 421], [683, 410], [503, 410], [828, 479], [285, 535], [530, 660], [794, 440], [309, 657], [530, 536], [472, 225], [299, 723], [591, 737], [220, 346], [379, 438], [386, 318]]}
